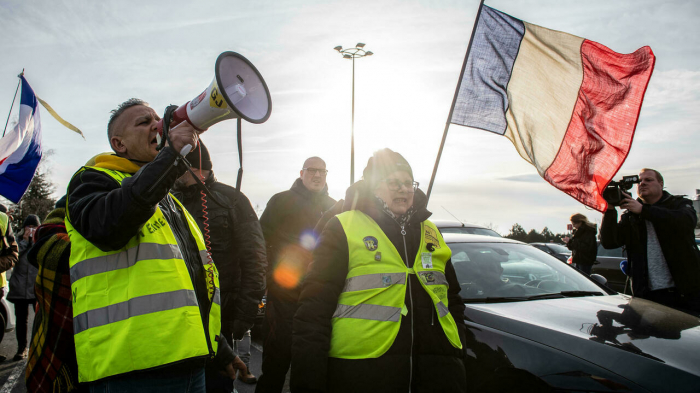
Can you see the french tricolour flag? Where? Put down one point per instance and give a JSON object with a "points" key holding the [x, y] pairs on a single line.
{"points": [[20, 148], [569, 105]]}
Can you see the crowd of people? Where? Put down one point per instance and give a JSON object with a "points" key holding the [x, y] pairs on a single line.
{"points": [[149, 272]]}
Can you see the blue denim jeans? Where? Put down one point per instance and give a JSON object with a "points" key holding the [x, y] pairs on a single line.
{"points": [[147, 382]]}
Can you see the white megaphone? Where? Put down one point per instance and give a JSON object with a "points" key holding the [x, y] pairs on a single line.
{"points": [[237, 91]]}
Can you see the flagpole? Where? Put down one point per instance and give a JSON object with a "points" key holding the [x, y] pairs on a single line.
{"points": [[454, 100], [13, 102]]}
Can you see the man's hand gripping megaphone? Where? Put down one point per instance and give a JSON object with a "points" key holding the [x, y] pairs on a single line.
{"points": [[183, 137]]}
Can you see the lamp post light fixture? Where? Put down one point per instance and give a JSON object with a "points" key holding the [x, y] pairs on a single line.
{"points": [[353, 53]]}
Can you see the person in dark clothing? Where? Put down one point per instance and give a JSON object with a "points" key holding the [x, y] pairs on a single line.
{"points": [[237, 248], [583, 245], [658, 232], [362, 326], [288, 223], [131, 240], [22, 285]]}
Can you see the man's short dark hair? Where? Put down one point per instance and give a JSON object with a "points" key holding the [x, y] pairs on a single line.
{"points": [[118, 111], [658, 175]]}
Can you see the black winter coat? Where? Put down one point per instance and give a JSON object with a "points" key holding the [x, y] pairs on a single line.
{"points": [[287, 216], [23, 275], [583, 246], [237, 244], [674, 221], [109, 215], [421, 356]]}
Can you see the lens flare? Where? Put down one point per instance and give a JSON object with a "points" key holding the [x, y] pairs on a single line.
{"points": [[308, 240], [291, 267]]}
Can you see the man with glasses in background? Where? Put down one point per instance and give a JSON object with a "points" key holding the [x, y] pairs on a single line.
{"points": [[288, 226]]}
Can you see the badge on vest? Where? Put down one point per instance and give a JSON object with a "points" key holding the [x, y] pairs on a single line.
{"points": [[426, 259], [386, 281], [378, 256], [371, 243], [431, 237]]}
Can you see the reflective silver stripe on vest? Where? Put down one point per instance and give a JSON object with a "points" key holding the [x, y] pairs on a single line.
{"points": [[217, 296], [433, 278], [373, 281], [442, 309], [205, 257], [141, 305], [123, 260], [368, 311]]}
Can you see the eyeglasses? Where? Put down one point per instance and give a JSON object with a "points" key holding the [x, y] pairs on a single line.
{"points": [[395, 185], [314, 171]]}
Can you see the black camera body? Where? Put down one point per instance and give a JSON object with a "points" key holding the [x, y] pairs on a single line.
{"points": [[613, 192]]}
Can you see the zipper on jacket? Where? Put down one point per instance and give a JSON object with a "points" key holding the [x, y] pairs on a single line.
{"points": [[410, 298]]}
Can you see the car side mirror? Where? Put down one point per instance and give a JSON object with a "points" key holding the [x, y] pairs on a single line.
{"points": [[599, 279]]}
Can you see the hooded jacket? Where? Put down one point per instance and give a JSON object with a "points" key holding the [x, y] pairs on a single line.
{"points": [[237, 244], [674, 220], [421, 357]]}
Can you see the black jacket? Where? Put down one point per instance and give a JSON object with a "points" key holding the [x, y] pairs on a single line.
{"points": [[287, 216], [421, 353], [23, 275], [674, 221], [583, 246], [108, 215], [237, 244]]}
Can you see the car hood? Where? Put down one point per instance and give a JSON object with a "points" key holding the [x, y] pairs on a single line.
{"points": [[602, 330]]}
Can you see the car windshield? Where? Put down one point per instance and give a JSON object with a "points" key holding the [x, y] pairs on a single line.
{"points": [[471, 231], [558, 248], [510, 271]]}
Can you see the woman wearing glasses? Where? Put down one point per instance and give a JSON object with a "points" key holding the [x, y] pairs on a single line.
{"points": [[380, 307]]}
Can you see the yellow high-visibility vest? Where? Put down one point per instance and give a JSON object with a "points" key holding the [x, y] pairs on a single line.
{"points": [[370, 308], [4, 225], [136, 308]]}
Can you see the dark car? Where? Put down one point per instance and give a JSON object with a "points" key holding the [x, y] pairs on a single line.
{"points": [[447, 226], [607, 264], [536, 324], [558, 251]]}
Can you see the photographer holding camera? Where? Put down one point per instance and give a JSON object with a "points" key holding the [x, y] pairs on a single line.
{"points": [[658, 232]]}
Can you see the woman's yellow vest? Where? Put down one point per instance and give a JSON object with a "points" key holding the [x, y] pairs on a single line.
{"points": [[4, 225], [136, 308], [370, 308]]}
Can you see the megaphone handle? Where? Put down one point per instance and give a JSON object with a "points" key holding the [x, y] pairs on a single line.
{"points": [[185, 150]]}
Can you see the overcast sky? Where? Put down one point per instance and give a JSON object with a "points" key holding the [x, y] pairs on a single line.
{"points": [[85, 57]]}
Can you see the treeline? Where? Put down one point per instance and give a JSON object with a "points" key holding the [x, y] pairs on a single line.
{"points": [[517, 232]]}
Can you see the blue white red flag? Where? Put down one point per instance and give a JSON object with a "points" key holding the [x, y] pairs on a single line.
{"points": [[20, 148], [569, 105]]}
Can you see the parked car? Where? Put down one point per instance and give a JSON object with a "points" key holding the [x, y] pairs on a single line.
{"points": [[607, 264], [558, 251], [447, 226], [536, 324]]}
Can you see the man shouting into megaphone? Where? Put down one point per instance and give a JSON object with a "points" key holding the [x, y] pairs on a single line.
{"points": [[146, 297]]}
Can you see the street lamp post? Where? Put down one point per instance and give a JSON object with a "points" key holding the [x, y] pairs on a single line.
{"points": [[353, 53]]}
